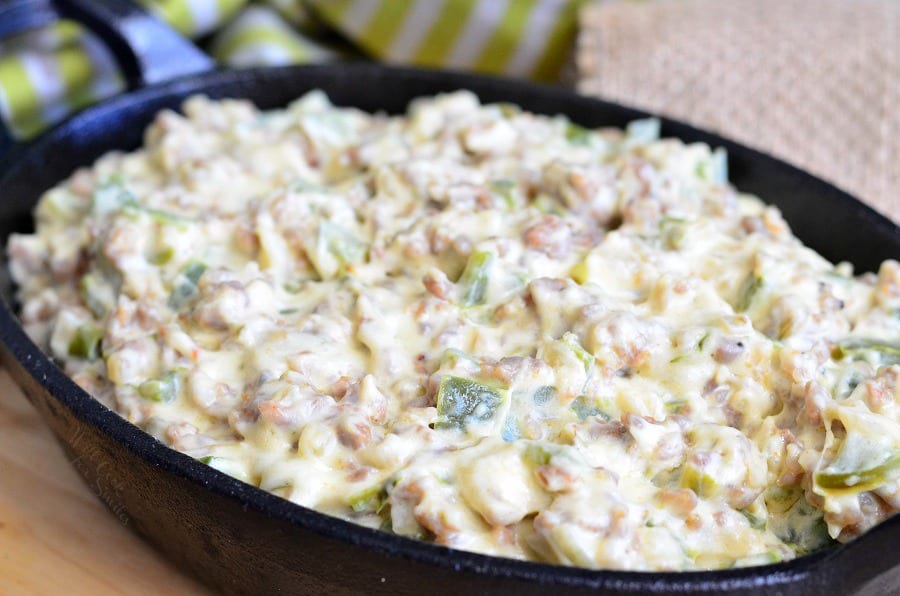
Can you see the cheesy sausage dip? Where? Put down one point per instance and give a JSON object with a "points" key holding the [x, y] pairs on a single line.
{"points": [[494, 330]]}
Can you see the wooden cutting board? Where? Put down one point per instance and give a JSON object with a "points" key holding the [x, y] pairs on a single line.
{"points": [[55, 536]]}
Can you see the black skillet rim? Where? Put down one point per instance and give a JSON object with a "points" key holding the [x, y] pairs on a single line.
{"points": [[130, 437]]}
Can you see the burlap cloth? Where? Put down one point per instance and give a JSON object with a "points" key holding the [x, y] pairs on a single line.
{"points": [[815, 82]]}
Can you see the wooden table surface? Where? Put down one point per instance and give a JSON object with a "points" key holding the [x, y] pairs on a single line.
{"points": [[55, 536]]}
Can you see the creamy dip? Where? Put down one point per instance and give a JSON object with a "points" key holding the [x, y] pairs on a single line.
{"points": [[494, 330]]}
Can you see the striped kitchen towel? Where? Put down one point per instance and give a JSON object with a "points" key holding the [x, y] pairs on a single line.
{"points": [[526, 38], [47, 74]]}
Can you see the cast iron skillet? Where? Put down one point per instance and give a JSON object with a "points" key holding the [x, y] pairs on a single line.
{"points": [[238, 538]]}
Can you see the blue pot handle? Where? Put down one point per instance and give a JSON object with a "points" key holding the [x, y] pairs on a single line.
{"points": [[146, 49], [18, 16]]}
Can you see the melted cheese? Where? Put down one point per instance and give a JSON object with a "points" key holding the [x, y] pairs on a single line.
{"points": [[478, 326]]}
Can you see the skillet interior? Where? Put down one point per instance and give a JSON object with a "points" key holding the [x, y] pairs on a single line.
{"points": [[239, 538]]}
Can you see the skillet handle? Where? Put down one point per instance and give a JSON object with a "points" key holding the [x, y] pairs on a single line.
{"points": [[17, 16], [148, 50]]}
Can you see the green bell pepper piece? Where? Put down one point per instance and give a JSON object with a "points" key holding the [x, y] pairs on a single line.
{"points": [[461, 402]]}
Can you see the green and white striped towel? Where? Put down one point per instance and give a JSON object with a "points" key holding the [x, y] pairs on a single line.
{"points": [[47, 74], [259, 36], [527, 38], [194, 18]]}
